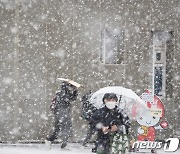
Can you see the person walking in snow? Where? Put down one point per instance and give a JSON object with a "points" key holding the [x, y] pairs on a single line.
{"points": [[61, 106], [109, 121], [87, 111]]}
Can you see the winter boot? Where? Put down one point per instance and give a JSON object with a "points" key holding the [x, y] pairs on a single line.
{"points": [[94, 150], [63, 145], [85, 143]]}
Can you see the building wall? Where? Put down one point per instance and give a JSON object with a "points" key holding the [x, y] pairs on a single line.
{"points": [[43, 40]]}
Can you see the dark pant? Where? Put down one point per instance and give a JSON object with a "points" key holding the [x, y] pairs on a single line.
{"points": [[91, 131], [62, 125], [103, 143]]}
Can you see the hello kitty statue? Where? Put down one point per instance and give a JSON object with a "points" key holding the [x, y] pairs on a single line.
{"points": [[148, 121]]}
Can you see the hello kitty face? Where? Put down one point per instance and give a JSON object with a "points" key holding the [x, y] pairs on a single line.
{"points": [[148, 120]]}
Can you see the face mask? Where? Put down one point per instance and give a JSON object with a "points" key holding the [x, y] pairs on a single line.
{"points": [[110, 105]]}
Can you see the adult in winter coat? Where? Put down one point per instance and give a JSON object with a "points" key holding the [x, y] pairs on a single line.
{"points": [[87, 111], [108, 120], [61, 106]]}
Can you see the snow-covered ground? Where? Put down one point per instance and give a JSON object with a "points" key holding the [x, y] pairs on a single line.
{"points": [[73, 148], [42, 149]]}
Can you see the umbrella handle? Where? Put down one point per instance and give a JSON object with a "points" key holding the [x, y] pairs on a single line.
{"points": [[120, 98]]}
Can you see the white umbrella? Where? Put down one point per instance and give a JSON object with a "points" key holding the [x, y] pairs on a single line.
{"points": [[127, 100]]}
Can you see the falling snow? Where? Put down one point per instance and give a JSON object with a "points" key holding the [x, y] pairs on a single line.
{"points": [[97, 43]]}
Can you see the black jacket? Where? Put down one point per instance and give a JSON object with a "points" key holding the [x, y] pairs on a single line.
{"points": [[108, 117], [87, 108], [65, 96]]}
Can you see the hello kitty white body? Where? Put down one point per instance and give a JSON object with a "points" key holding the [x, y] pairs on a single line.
{"points": [[149, 123]]}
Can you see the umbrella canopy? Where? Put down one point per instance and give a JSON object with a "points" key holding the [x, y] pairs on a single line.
{"points": [[70, 81], [127, 100]]}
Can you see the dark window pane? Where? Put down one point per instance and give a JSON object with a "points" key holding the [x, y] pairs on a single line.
{"points": [[158, 81], [158, 56]]}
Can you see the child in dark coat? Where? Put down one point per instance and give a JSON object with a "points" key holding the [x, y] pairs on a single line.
{"points": [[108, 121]]}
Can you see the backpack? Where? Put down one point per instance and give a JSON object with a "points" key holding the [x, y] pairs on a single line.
{"points": [[87, 108], [53, 104]]}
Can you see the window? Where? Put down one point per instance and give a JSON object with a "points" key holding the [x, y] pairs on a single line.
{"points": [[112, 47], [158, 56], [169, 65], [158, 84]]}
